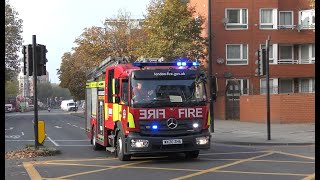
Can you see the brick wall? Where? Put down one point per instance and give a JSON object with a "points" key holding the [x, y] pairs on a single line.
{"points": [[284, 108]]}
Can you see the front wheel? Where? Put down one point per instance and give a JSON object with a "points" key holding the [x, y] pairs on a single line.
{"points": [[120, 148]]}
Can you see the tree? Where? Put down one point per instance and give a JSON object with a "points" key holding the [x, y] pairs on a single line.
{"points": [[44, 91], [11, 88], [312, 4], [13, 40], [173, 31], [118, 37], [60, 92]]}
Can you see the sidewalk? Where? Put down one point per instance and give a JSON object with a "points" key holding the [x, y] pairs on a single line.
{"points": [[246, 133]]}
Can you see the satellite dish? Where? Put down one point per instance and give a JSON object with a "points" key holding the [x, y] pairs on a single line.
{"points": [[225, 20], [220, 60]]}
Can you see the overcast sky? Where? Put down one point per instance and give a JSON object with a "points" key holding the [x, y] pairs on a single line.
{"points": [[57, 23]]}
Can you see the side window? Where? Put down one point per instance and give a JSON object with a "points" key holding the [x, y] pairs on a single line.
{"points": [[124, 91]]}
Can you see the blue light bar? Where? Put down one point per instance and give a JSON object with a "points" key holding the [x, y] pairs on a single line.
{"points": [[155, 127], [186, 64], [195, 63]]}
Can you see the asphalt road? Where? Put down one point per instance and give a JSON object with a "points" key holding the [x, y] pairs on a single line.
{"points": [[78, 161]]}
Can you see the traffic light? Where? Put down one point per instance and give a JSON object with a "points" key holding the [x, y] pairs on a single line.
{"points": [[27, 60], [41, 60], [261, 62]]}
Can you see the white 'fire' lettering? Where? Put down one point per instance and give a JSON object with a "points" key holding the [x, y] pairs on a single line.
{"points": [[190, 113], [152, 113]]}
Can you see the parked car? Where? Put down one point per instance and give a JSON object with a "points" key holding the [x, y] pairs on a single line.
{"points": [[8, 107], [72, 107]]}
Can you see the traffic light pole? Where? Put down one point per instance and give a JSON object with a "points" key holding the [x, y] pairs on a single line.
{"points": [[268, 87], [210, 68], [34, 46]]}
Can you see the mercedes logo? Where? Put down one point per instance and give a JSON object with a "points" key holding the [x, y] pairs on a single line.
{"points": [[172, 123]]}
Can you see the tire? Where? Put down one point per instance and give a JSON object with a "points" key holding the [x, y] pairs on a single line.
{"points": [[95, 145], [192, 154], [120, 148]]}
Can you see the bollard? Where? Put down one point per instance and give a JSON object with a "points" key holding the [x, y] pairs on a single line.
{"points": [[41, 132]]}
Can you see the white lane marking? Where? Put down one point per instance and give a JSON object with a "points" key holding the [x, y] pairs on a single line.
{"points": [[57, 127], [22, 133], [56, 144], [9, 128], [18, 140], [69, 123], [75, 145], [75, 126], [13, 136], [73, 140], [81, 128]]}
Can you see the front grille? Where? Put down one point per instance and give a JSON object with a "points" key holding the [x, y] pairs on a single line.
{"points": [[183, 128]]}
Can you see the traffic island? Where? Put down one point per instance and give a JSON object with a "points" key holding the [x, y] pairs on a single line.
{"points": [[30, 152]]}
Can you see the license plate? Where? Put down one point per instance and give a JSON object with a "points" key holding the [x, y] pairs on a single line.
{"points": [[172, 141]]}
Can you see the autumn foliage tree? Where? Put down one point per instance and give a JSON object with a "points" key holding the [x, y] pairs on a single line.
{"points": [[173, 30], [13, 41], [119, 36]]}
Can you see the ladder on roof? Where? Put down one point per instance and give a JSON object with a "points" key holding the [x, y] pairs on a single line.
{"points": [[100, 69]]}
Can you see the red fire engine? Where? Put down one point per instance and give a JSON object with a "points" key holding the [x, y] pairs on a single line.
{"points": [[169, 114]]}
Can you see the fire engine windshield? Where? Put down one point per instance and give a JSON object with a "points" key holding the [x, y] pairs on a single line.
{"points": [[158, 93]]}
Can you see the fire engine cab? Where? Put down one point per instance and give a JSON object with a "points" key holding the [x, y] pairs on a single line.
{"points": [[147, 107]]}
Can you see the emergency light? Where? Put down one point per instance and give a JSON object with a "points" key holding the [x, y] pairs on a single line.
{"points": [[155, 127], [180, 64]]}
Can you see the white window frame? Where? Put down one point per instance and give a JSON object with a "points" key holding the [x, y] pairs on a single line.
{"points": [[236, 24], [274, 82], [274, 58], [311, 60], [241, 54], [274, 18], [311, 13], [281, 26], [292, 84], [241, 85], [286, 61], [310, 87]]}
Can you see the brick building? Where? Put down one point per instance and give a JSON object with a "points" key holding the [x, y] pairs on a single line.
{"points": [[240, 28]]}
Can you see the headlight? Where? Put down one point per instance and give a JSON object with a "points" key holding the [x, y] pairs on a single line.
{"points": [[202, 140], [195, 125], [139, 143]]}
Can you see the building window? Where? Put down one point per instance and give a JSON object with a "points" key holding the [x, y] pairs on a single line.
{"points": [[286, 85], [286, 54], [237, 54], [285, 19], [268, 18], [307, 19], [272, 50], [307, 53], [306, 85], [236, 18], [240, 85], [273, 86]]}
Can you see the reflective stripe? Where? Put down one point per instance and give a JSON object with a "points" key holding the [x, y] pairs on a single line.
{"points": [[208, 123], [100, 84], [113, 90], [130, 119], [116, 108], [91, 84]]}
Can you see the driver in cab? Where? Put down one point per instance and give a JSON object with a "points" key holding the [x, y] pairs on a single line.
{"points": [[140, 93]]}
